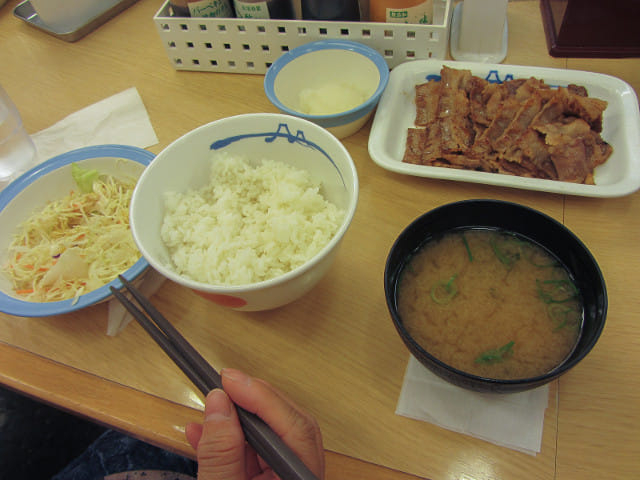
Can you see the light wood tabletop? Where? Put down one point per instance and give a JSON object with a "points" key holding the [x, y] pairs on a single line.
{"points": [[335, 351]]}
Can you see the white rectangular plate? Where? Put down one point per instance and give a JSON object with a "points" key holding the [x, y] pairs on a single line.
{"points": [[619, 176]]}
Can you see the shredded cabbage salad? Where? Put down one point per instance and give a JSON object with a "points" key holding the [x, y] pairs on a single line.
{"points": [[76, 244]]}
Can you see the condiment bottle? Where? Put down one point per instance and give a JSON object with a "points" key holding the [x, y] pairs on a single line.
{"points": [[201, 8], [346, 10], [401, 11], [180, 8], [280, 9]]}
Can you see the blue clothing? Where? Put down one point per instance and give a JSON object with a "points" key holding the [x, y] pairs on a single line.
{"points": [[114, 452]]}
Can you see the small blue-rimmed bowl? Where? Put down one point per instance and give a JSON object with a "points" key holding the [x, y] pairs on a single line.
{"points": [[50, 181], [333, 83], [185, 165]]}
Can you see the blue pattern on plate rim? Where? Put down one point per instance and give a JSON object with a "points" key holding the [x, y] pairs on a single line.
{"points": [[492, 77], [282, 132]]}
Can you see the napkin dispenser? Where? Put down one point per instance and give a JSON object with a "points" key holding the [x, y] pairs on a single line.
{"points": [[592, 28]]}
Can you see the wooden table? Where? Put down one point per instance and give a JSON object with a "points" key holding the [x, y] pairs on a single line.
{"points": [[335, 350]]}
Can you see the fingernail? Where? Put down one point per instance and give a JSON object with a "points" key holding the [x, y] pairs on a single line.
{"points": [[217, 406], [235, 376]]}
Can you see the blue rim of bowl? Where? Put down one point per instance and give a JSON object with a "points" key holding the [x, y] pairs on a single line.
{"points": [[337, 237], [332, 120], [14, 306]]}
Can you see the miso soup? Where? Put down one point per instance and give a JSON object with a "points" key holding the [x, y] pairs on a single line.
{"points": [[490, 303]]}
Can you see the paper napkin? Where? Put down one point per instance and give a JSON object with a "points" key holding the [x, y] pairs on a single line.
{"points": [[121, 119], [513, 420], [119, 317]]}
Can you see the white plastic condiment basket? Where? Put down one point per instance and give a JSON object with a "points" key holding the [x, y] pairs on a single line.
{"points": [[238, 45]]}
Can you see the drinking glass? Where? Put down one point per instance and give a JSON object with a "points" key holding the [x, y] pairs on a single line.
{"points": [[17, 151]]}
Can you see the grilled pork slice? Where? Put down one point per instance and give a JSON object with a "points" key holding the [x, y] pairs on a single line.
{"points": [[518, 127], [427, 99], [454, 78], [520, 122], [575, 149], [414, 148], [456, 129], [564, 103]]}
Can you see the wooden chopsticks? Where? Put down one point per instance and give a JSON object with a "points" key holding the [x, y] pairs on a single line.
{"points": [[259, 435]]}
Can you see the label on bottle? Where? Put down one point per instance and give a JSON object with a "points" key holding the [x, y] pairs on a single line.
{"points": [[422, 13], [210, 8], [251, 9]]}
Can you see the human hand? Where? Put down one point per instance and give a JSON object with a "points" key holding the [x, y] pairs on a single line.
{"points": [[220, 444]]}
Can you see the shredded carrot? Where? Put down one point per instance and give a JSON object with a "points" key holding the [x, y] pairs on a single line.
{"points": [[76, 221]]}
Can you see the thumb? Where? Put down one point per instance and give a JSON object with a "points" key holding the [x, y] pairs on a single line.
{"points": [[221, 450]]}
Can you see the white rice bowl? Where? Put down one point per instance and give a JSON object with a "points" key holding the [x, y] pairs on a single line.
{"points": [[287, 235]]}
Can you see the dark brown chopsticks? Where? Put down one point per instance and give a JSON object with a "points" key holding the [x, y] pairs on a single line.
{"points": [[259, 435]]}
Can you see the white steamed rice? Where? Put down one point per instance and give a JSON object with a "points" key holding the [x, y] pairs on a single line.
{"points": [[250, 224]]}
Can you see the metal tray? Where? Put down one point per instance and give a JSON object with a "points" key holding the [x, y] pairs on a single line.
{"points": [[25, 11]]}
